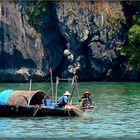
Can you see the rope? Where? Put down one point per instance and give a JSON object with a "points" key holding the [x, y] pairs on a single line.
{"points": [[74, 81], [72, 92]]}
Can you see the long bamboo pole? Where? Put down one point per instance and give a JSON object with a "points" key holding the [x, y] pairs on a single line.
{"points": [[56, 91], [30, 87], [52, 95], [72, 89], [77, 88]]}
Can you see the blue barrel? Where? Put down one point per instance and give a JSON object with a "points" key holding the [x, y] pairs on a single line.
{"points": [[47, 102], [52, 104]]}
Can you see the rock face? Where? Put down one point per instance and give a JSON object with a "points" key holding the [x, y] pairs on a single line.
{"points": [[75, 38], [92, 36], [21, 46], [18, 47]]}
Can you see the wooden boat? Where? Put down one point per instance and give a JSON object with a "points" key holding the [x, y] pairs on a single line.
{"points": [[29, 103], [29, 111]]}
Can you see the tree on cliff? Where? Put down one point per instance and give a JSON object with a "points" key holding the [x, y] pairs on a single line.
{"points": [[132, 49], [35, 11]]}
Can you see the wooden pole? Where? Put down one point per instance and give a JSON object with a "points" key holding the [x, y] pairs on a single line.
{"points": [[72, 89], [56, 91], [77, 88], [78, 93], [30, 87], [52, 96]]}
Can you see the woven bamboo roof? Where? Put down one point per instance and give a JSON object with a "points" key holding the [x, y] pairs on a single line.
{"points": [[23, 97]]}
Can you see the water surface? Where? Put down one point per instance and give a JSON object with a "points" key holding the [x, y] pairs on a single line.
{"points": [[117, 114]]}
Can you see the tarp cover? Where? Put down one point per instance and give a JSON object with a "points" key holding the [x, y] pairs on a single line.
{"points": [[4, 96]]}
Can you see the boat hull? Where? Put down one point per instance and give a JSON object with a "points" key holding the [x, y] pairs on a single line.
{"points": [[29, 111]]}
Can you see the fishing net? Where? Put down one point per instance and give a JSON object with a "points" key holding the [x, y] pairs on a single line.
{"points": [[75, 109]]}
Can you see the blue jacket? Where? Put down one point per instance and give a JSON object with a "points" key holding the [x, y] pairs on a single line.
{"points": [[63, 100]]}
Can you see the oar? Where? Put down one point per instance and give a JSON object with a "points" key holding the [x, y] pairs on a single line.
{"points": [[36, 111], [41, 101]]}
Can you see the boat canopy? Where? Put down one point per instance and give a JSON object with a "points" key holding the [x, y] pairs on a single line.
{"points": [[4, 95], [22, 97]]}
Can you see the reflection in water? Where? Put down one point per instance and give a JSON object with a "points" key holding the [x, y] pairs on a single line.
{"points": [[116, 115]]}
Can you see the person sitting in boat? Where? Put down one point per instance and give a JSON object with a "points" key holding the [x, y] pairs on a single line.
{"points": [[86, 100], [63, 100]]}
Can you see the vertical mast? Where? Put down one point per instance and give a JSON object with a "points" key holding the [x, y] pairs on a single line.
{"points": [[56, 91], [30, 86], [52, 96]]}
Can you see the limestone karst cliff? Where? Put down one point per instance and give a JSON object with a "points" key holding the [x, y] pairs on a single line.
{"points": [[74, 38]]}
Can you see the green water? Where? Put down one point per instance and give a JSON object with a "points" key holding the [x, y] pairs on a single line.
{"points": [[117, 114]]}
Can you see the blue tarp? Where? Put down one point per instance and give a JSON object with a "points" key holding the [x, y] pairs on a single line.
{"points": [[4, 95]]}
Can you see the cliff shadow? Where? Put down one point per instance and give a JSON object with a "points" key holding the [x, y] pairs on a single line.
{"points": [[15, 60]]}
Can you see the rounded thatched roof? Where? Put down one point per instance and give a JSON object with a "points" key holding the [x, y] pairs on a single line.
{"points": [[23, 97]]}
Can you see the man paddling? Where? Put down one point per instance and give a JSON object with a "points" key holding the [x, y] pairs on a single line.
{"points": [[86, 100], [63, 100]]}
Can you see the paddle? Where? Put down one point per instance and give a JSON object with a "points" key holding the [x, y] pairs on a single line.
{"points": [[40, 105]]}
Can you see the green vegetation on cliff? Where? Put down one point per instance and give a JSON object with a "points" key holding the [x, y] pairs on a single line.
{"points": [[132, 49], [35, 12]]}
